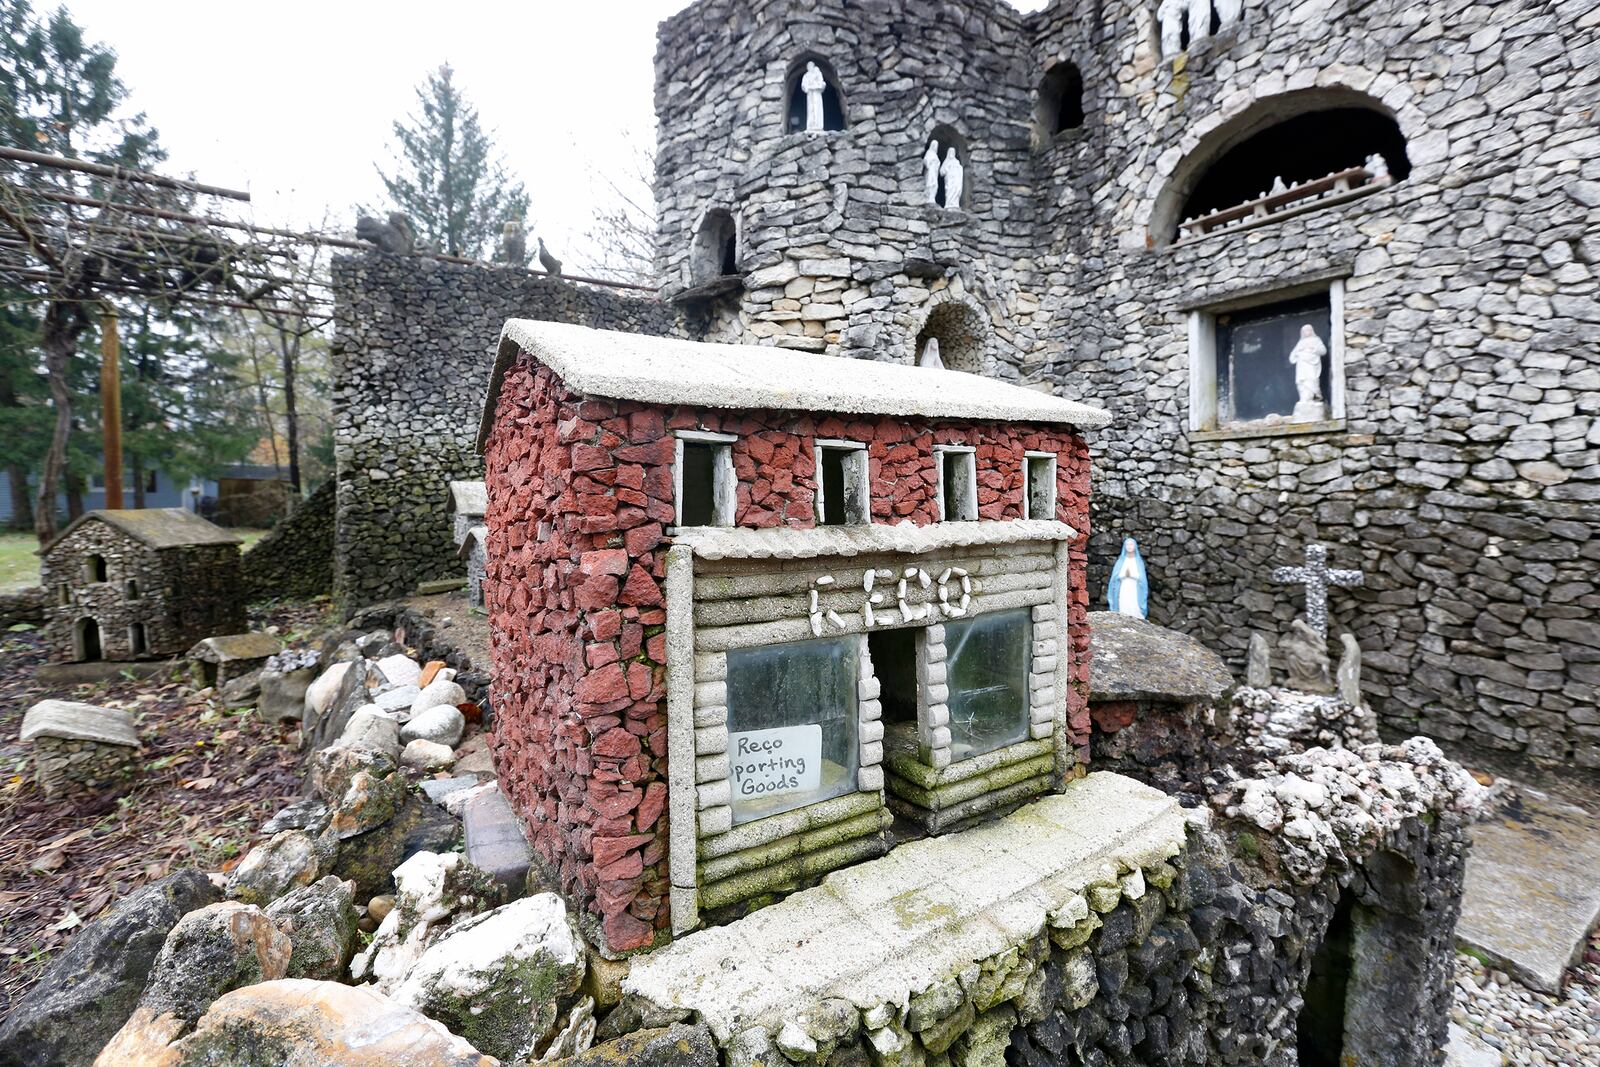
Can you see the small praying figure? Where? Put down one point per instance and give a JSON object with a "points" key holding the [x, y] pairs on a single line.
{"points": [[930, 172], [930, 355], [812, 83], [1170, 15], [1378, 168], [1307, 356], [1129, 590], [954, 179]]}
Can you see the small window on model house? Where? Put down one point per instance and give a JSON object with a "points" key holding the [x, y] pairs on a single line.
{"points": [[843, 496], [706, 485], [136, 642], [792, 725], [131, 589], [1268, 365], [1039, 492], [63, 593], [94, 568], [986, 669], [958, 483]]}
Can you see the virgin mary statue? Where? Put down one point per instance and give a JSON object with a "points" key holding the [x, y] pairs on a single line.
{"points": [[1129, 591]]}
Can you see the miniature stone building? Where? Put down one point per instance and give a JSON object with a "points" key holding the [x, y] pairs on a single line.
{"points": [[139, 584], [220, 660], [473, 550], [751, 605], [80, 748], [468, 501]]}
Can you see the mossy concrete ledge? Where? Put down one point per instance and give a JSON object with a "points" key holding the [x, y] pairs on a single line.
{"points": [[882, 932]]}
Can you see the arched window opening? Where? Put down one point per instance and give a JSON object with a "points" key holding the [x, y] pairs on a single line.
{"points": [[716, 248], [961, 334], [814, 101], [131, 588], [94, 568], [1059, 107], [946, 169], [136, 639], [1313, 158], [86, 640]]}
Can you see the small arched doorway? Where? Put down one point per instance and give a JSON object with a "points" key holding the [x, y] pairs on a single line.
{"points": [[1058, 107], [86, 641], [94, 568], [136, 639], [962, 333], [715, 252]]}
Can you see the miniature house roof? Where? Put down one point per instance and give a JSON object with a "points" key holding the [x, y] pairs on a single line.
{"points": [[475, 536], [154, 527], [1138, 660], [788, 542], [662, 370], [469, 498]]}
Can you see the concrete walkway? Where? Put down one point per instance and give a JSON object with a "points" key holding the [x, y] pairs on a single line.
{"points": [[1533, 888], [882, 930]]}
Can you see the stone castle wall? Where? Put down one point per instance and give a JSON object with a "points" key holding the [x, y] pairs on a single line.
{"points": [[413, 345], [1464, 478], [295, 560]]}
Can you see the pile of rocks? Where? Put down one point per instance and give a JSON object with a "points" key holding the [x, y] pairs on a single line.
{"points": [[1529, 1028], [1281, 720]]}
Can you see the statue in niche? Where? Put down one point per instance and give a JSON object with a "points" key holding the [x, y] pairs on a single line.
{"points": [[1378, 168], [1307, 356], [1349, 674], [1170, 16], [1129, 591], [930, 172], [930, 355], [812, 83], [1199, 20], [1228, 12], [1306, 657], [1258, 666], [954, 179]]}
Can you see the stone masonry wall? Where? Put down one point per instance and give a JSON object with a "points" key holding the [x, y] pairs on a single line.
{"points": [[413, 345], [1465, 478], [296, 558], [580, 499]]}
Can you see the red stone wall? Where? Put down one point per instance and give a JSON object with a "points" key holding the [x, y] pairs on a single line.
{"points": [[580, 495]]}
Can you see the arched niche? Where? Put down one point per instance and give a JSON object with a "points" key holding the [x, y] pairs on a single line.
{"points": [[86, 641], [715, 252], [1058, 103], [794, 95], [1299, 137], [963, 333], [947, 137]]}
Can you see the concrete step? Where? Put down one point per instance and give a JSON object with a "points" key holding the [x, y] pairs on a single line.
{"points": [[494, 841]]}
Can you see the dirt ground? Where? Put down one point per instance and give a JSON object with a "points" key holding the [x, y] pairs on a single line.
{"points": [[210, 777]]}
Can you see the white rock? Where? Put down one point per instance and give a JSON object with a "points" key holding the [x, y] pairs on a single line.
{"points": [[397, 700], [400, 669], [443, 724], [320, 693], [426, 755], [440, 692], [424, 906]]}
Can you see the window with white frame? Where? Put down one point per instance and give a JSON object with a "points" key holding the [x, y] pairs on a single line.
{"points": [[1270, 363], [1039, 488], [704, 479], [843, 493], [958, 483]]}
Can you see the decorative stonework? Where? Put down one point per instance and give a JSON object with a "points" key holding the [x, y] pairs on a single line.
{"points": [[80, 748]]}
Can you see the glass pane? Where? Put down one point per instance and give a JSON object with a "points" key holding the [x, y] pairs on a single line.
{"points": [[1254, 372], [986, 667], [791, 725], [698, 507]]}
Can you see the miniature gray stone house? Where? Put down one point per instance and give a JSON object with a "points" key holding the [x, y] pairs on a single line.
{"points": [[468, 500], [80, 748], [472, 550], [139, 584]]}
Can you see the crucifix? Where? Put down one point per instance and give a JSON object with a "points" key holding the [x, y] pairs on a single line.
{"points": [[1316, 576]]}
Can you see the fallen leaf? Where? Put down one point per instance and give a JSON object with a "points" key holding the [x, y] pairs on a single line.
{"points": [[199, 785], [68, 922], [48, 861]]}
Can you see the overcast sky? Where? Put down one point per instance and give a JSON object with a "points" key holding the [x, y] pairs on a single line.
{"points": [[293, 100]]}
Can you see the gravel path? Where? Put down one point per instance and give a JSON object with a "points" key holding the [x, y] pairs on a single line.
{"points": [[1533, 1028]]}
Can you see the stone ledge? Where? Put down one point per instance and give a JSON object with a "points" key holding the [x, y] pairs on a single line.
{"points": [[1250, 431], [71, 721]]}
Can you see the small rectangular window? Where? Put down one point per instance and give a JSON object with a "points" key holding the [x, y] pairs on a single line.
{"points": [[1039, 496], [843, 494], [958, 484], [705, 480], [986, 667]]}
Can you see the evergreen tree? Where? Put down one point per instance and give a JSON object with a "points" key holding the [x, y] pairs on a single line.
{"points": [[448, 179], [24, 412]]}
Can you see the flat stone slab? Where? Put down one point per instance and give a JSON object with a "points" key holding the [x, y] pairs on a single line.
{"points": [[72, 721], [99, 670], [1532, 892], [1138, 660], [231, 648], [1465, 1050], [882, 930], [494, 841]]}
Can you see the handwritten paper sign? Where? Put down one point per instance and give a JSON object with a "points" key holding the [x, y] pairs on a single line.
{"points": [[773, 762]]}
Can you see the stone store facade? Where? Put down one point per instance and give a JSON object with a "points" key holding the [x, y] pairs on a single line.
{"points": [[1141, 210], [139, 584], [414, 340]]}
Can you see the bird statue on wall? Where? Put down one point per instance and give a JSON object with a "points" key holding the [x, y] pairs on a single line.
{"points": [[395, 236], [550, 263], [513, 245]]}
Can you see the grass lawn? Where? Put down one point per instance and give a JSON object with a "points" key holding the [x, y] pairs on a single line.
{"points": [[19, 567]]}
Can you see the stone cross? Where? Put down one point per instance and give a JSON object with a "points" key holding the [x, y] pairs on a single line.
{"points": [[1316, 576]]}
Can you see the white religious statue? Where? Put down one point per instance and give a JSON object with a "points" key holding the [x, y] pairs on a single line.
{"points": [[1307, 356], [1199, 20], [930, 172], [812, 83], [1170, 15], [1129, 591], [954, 178], [1228, 12], [930, 355], [1378, 167]]}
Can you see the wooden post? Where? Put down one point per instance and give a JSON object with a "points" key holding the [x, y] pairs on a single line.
{"points": [[111, 406]]}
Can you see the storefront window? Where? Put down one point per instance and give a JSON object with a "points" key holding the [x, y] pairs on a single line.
{"points": [[987, 671]]}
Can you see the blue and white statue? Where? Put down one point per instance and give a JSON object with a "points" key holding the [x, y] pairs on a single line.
{"points": [[1129, 590]]}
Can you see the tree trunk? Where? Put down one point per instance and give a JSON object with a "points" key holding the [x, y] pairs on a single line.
{"points": [[291, 417], [75, 489], [21, 497], [63, 322]]}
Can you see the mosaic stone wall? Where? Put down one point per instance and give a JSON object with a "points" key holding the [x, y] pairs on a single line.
{"points": [[1465, 477]]}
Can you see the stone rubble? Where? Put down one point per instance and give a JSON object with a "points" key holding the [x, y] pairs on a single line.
{"points": [[1532, 1029]]}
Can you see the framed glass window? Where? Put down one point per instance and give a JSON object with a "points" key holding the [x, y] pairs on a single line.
{"points": [[1255, 377], [792, 725], [986, 669]]}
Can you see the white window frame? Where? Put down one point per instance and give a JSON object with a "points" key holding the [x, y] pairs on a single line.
{"points": [[971, 479], [857, 470], [724, 484], [1204, 416], [1027, 495]]}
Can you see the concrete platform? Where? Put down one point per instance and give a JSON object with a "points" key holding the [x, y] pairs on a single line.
{"points": [[1533, 888], [882, 930], [95, 671]]}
